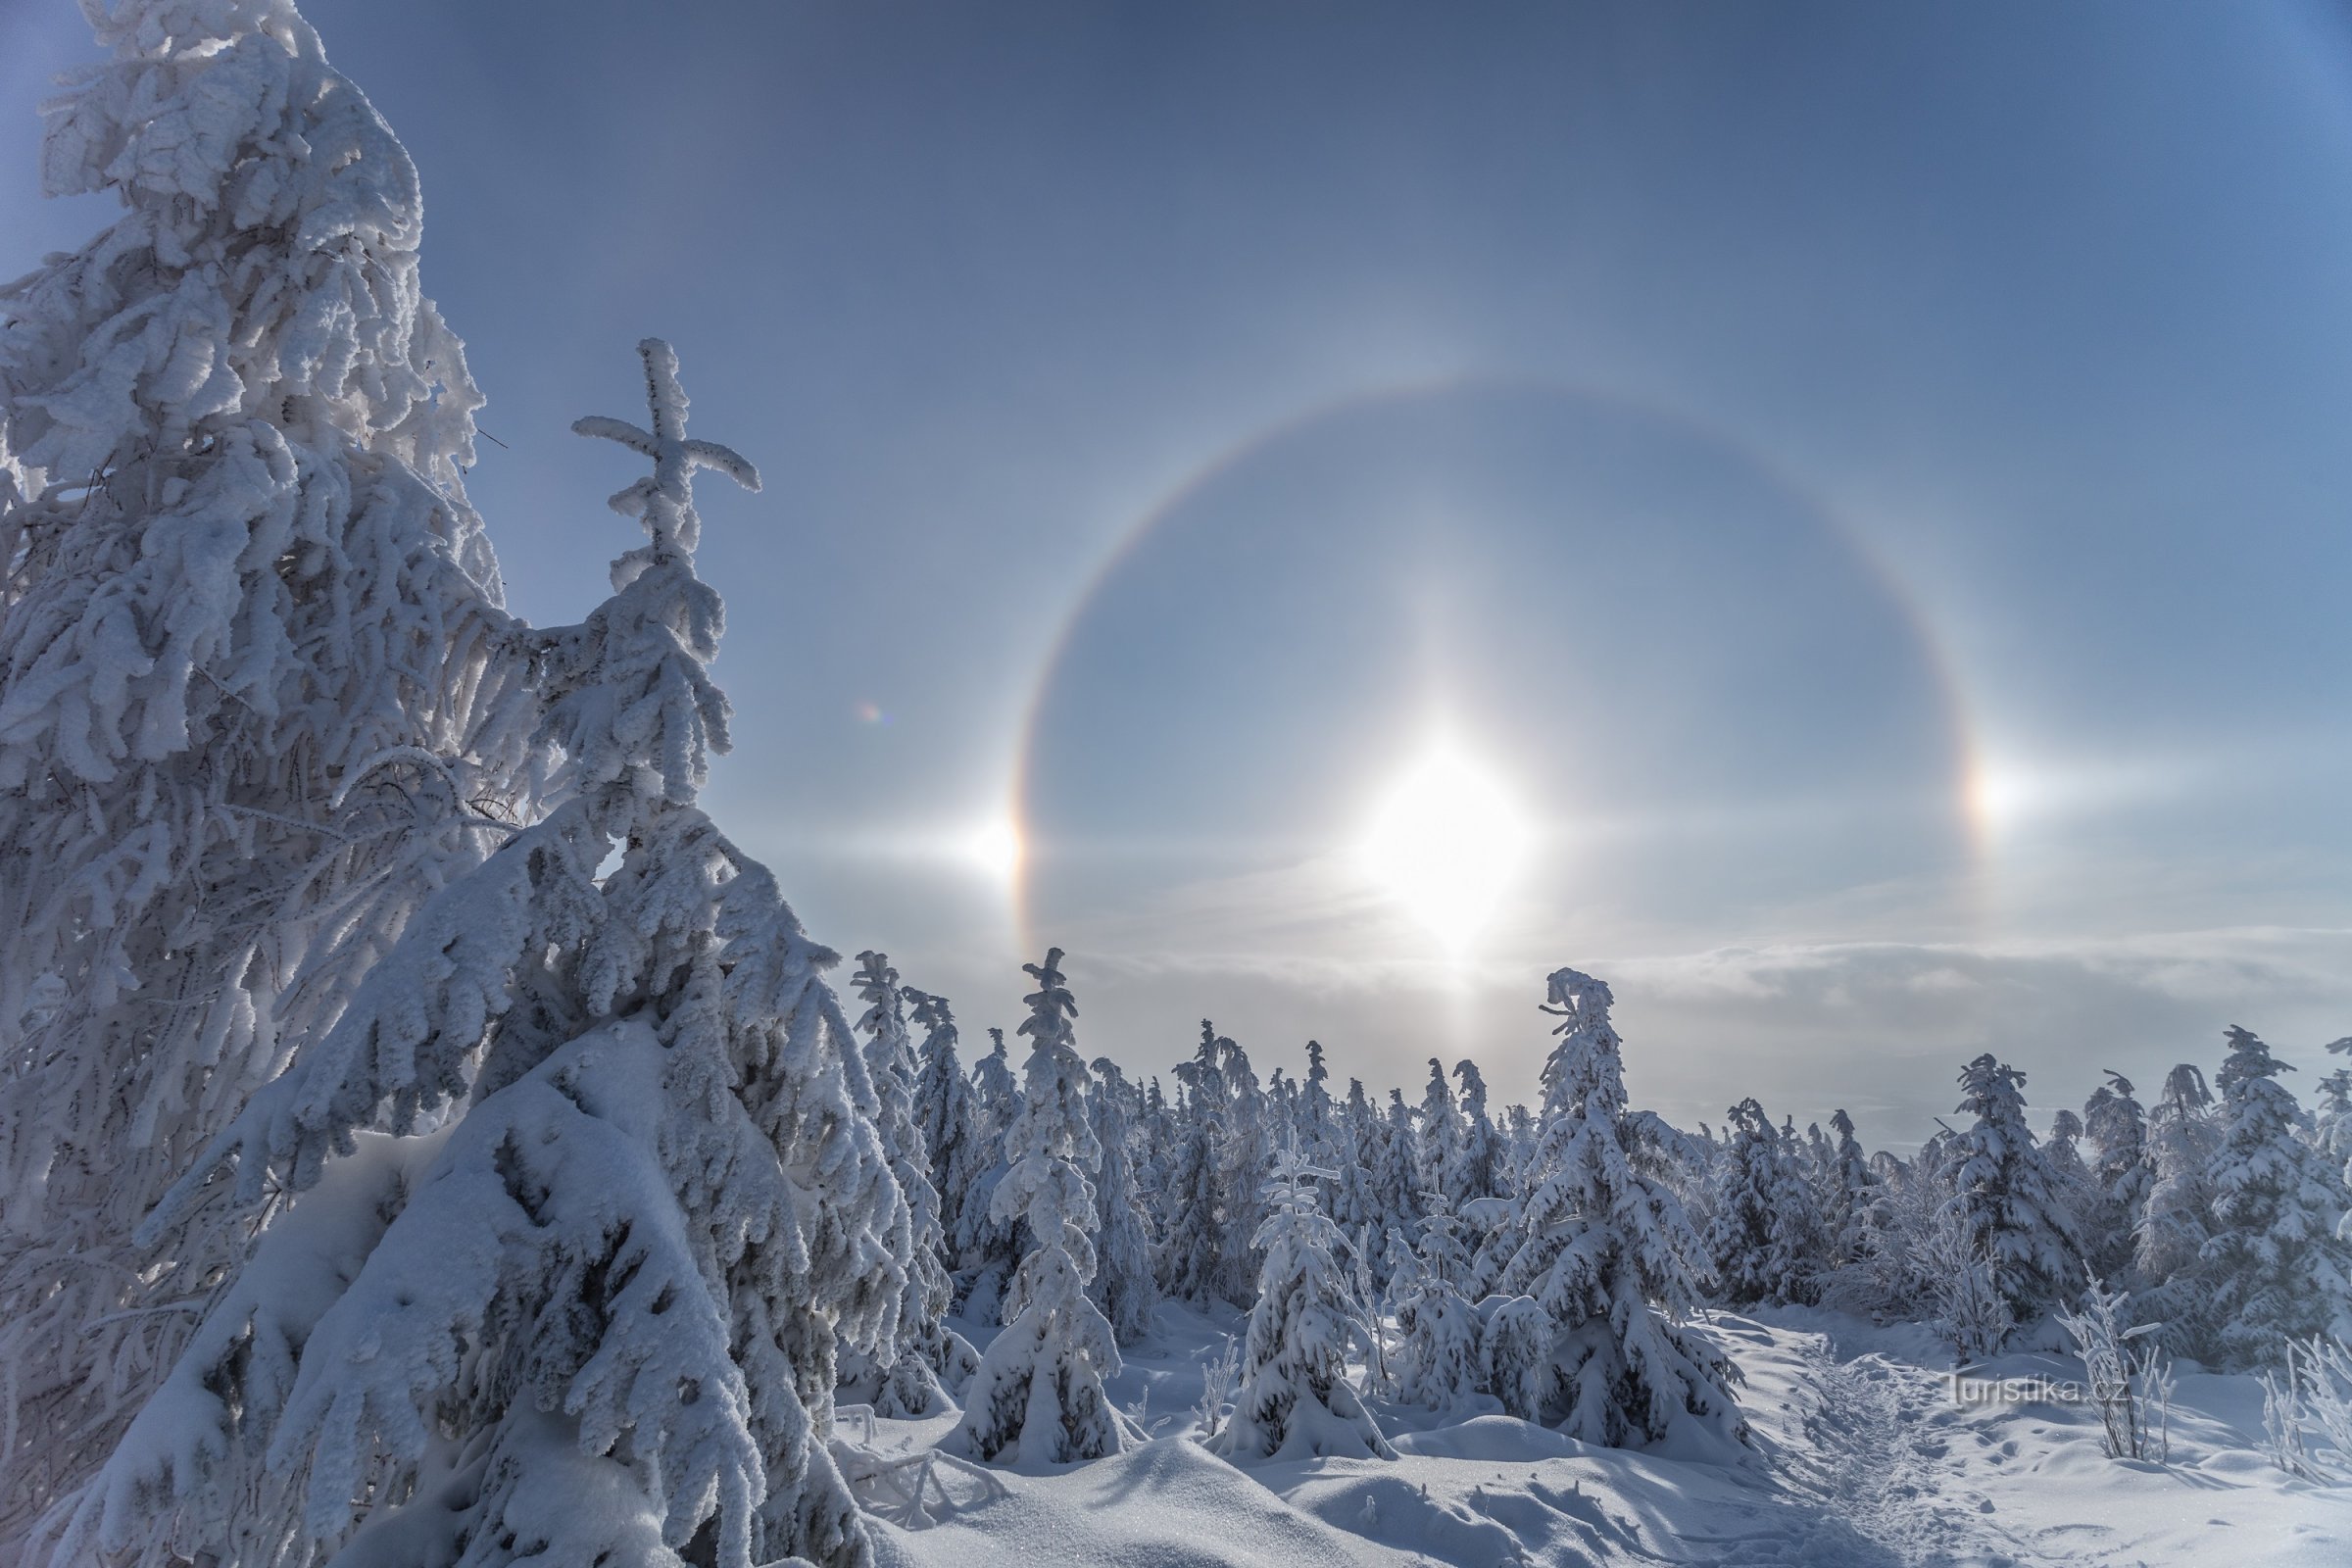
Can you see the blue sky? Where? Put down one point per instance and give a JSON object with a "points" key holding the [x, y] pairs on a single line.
{"points": [[1867, 483]]}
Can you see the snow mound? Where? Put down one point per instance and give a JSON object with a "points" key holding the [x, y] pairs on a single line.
{"points": [[1168, 1504], [1864, 1459]]}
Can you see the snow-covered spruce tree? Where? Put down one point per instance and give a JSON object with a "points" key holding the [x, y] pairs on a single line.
{"points": [[987, 1250], [594, 1318], [1038, 1396], [1518, 1148], [1190, 1236], [1436, 1362], [1849, 1193], [1245, 1156], [1443, 1145], [1295, 1399], [2276, 1268], [1608, 1258], [1349, 1199], [1185, 1264], [1123, 1285], [2005, 1194], [2118, 1130], [2176, 1215], [903, 1380], [1484, 1153], [2062, 1148], [257, 698], [1762, 1228], [2332, 1120], [1314, 1123], [946, 1115], [1282, 1104], [1393, 1183], [1154, 1144]]}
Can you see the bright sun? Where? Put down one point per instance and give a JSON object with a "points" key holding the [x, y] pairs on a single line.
{"points": [[1445, 843]]}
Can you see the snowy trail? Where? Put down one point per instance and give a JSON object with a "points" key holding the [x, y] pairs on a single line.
{"points": [[1860, 1472], [1879, 1470]]}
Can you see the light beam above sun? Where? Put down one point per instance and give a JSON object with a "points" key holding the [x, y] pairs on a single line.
{"points": [[1445, 843]]}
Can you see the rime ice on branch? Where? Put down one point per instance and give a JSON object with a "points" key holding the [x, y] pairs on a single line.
{"points": [[594, 1319]]}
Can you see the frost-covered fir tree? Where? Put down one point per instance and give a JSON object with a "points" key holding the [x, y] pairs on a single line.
{"points": [[946, 1115], [1484, 1153], [2274, 1266], [1313, 1128], [1350, 1199], [1442, 1147], [1762, 1227], [1191, 1235], [1246, 1154], [1038, 1397], [594, 1318], [1393, 1181], [2176, 1218], [988, 1249], [2005, 1194], [1436, 1362], [1294, 1399], [1606, 1256], [1123, 1285], [1519, 1149], [2118, 1131], [905, 1380], [2332, 1120], [1843, 1226], [1154, 1142], [258, 697]]}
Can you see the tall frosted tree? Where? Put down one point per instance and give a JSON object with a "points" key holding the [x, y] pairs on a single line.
{"points": [[2274, 1266], [1436, 1362], [592, 1318], [2117, 1129], [1246, 1154], [2006, 1198], [1762, 1226], [2176, 1215], [987, 1249], [1394, 1179], [1350, 1199], [2331, 1119], [1607, 1259], [1843, 1218], [1316, 1110], [1191, 1235], [1441, 1152], [946, 1117], [1123, 1285], [1294, 1399], [904, 1381], [1038, 1397], [258, 697], [1485, 1152]]}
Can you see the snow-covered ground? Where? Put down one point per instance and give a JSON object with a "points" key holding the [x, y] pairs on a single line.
{"points": [[1863, 1458]]}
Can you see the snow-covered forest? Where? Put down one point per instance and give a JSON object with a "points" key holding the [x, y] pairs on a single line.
{"points": [[429, 1139]]}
